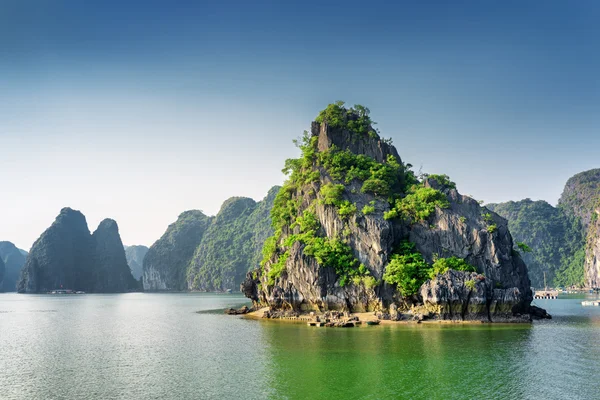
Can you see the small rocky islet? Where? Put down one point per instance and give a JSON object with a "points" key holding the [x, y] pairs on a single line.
{"points": [[357, 231]]}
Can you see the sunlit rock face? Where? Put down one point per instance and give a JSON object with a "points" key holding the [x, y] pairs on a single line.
{"points": [[461, 229]]}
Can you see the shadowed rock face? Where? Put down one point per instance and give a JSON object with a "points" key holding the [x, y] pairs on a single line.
{"points": [[167, 260], [460, 230], [112, 274], [67, 256], [2, 272], [135, 259], [14, 259]]}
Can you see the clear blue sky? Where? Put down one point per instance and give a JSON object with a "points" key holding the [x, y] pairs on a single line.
{"points": [[140, 110]]}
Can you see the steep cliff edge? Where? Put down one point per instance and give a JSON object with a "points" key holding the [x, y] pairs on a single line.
{"points": [[2, 272], [167, 260], [355, 230], [111, 272], [580, 201], [592, 255], [13, 259], [61, 257], [135, 259], [67, 256]]}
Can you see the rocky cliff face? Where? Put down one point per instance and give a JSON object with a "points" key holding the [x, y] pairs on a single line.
{"points": [[111, 272], [592, 255], [581, 198], [232, 244], [135, 259], [67, 256], [350, 205], [167, 260], [13, 259]]}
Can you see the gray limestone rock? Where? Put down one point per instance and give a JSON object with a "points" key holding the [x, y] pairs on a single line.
{"points": [[464, 229]]}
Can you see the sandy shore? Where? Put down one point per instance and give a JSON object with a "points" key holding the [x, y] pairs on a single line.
{"points": [[362, 317]]}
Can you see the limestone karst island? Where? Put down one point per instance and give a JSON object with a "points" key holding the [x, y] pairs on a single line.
{"points": [[357, 231], [299, 200]]}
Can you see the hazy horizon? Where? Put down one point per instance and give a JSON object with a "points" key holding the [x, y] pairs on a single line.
{"points": [[140, 113]]}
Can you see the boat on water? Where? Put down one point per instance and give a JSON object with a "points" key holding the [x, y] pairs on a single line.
{"points": [[66, 291], [590, 303]]}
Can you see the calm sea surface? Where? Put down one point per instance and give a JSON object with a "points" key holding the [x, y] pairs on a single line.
{"points": [[156, 346]]}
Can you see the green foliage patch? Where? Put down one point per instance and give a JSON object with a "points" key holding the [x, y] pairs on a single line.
{"points": [[556, 237], [408, 270], [443, 180], [442, 265], [418, 205], [355, 119]]}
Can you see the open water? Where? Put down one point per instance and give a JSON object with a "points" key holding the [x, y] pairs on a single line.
{"points": [[156, 346]]}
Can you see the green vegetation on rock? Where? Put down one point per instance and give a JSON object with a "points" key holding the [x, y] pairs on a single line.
{"points": [[390, 180], [231, 245], [555, 239], [443, 180], [418, 204], [442, 265], [355, 119], [408, 270]]}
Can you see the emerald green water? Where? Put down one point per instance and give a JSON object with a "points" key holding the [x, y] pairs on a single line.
{"points": [[155, 346]]}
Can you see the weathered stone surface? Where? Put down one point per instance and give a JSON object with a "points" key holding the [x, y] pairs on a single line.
{"points": [[239, 311], [14, 259], [469, 296], [343, 139], [461, 230], [592, 256]]}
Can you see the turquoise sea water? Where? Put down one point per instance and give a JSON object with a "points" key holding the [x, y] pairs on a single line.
{"points": [[156, 346]]}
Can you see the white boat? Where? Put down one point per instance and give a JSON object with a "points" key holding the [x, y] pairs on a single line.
{"points": [[591, 303]]}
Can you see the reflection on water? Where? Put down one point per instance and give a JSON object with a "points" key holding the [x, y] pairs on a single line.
{"points": [[391, 361], [156, 346]]}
